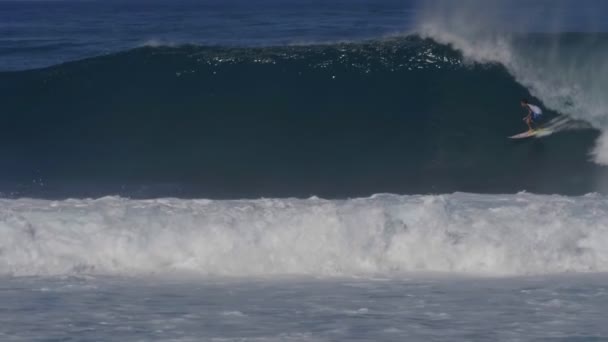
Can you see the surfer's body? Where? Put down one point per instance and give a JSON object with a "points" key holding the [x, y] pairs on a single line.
{"points": [[534, 113]]}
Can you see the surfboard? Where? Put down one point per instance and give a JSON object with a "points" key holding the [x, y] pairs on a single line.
{"points": [[541, 132]]}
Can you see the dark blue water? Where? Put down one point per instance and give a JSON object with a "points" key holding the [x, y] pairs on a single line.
{"points": [[42, 33], [231, 99]]}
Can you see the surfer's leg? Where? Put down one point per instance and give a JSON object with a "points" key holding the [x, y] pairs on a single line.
{"points": [[529, 123], [534, 121]]}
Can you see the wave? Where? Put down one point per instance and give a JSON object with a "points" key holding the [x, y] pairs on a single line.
{"points": [[402, 115], [489, 235]]}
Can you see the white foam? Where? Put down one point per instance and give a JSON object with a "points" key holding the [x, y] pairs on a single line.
{"points": [[154, 43], [381, 235], [570, 77]]}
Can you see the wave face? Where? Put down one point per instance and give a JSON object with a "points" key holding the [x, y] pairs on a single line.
{"points": [[403, 115], [382, 235], [568, 72]]}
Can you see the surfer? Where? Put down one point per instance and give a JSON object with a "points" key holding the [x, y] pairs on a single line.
{"points": [[534, 114]]}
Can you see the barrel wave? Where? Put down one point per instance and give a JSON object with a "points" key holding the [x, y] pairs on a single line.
{"points": [[568, 70], [402, 115]]}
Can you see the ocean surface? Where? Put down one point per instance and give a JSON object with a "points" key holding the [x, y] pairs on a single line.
{"points": [[421, 308], [302, 170]]}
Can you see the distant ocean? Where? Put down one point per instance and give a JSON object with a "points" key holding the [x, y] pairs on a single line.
{"points": [[302, 170]]}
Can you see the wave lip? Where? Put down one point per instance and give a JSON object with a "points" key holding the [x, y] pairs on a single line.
{"points": [[490, 235]]}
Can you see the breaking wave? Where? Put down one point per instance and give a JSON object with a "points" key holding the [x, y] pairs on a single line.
{"points": [[402, 115], [490, 235]]}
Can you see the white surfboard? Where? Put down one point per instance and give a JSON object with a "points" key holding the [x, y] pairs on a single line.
{"points": [[541, 132]]}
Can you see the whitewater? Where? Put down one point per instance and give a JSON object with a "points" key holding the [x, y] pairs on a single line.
{"points": [[385, 235], [424, 267]]}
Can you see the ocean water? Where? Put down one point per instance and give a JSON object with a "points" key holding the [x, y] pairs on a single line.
{"points": [[418, 308], [302, 170]]}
